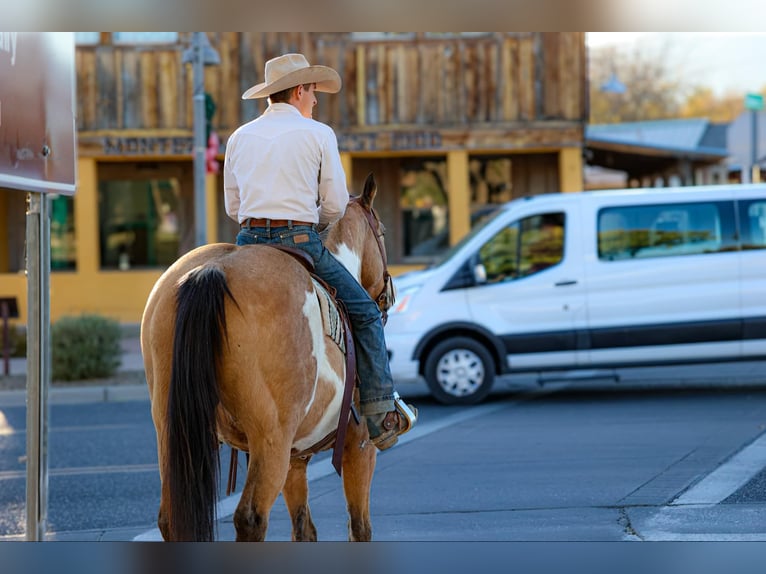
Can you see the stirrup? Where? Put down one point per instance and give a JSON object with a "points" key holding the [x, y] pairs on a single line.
{"points": [[406, 414]]}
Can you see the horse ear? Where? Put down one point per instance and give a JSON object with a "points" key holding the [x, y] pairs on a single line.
{"points": [[370, 189]]}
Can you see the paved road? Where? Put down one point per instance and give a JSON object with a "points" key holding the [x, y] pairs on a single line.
{"points": [[634, 461]]}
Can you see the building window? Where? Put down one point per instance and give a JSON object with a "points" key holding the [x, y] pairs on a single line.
{"points": [[424, 207], [12, 230], [139, 223], [491, 181], [497, 179], [63, 246]]}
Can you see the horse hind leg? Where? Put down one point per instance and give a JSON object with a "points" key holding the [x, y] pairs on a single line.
{"points": [[266, 473], [296, 495]]}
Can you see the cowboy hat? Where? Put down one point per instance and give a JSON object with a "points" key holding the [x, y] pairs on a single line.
{"points": [[292, 70]]}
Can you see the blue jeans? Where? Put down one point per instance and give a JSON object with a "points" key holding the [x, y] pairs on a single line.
{"points": [[376, 386]]}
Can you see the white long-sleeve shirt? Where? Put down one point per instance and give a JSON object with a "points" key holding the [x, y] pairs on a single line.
{"points": [[284, 166]]}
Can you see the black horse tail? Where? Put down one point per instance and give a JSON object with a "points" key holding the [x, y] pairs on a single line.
{"points": [[193, 466]]}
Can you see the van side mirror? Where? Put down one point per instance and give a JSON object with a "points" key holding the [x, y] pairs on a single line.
{"points": [[480, 273]]}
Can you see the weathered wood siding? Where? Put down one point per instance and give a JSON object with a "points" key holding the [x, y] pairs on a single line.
{"points": [[449, 83]]}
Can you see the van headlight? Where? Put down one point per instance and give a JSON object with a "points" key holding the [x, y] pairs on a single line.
{"points": [[403, 298]]}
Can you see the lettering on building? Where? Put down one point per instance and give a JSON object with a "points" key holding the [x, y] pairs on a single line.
{"points": [[389, 141], [148, 145]]}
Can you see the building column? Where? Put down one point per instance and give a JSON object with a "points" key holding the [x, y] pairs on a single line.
{"points": [[570, 169], [458, 195], [347, 162], [211, 207], [86, 222]]}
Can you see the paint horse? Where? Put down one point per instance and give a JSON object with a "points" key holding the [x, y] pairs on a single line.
{"points": [[235, 351]]}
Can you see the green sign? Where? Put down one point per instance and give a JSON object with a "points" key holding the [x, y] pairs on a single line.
{"points": [[753, 101]]}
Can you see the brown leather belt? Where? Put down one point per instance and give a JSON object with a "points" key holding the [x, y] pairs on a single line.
{"points": [[257, 222]]}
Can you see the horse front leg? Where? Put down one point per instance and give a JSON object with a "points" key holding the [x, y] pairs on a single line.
{"points": [[296, 495], [359, 456]]}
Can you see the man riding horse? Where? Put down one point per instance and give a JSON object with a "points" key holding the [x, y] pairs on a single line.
{"points": [[284, 183]]}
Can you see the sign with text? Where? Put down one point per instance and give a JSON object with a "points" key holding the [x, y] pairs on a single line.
{"points": [[37, 111], [753, 102]]}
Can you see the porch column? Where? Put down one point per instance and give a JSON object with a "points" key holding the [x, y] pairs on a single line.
{"points": [[458, 195], [86, 221], [570, 169], [211, 207], [347, 162]]}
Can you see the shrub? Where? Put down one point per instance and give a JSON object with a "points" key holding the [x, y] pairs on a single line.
{"points": [[85, 347], [17, 341]]}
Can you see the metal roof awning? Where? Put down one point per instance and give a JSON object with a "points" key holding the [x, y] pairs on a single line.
{"points": [[656, 148]]}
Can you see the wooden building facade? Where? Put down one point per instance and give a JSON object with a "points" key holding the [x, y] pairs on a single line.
{"points": [[449, 123]]}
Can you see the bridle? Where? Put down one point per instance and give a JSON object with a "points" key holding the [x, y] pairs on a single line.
{"points": [[387, 295]]}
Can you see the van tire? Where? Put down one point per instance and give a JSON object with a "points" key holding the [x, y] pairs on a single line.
{"points": [[459, 371]]}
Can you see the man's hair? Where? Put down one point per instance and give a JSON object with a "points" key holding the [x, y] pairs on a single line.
{"points": [[285, 95]]}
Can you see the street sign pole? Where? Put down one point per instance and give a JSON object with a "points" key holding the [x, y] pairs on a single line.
{"points": [[200, 195], [38, 362], [754, 103]]}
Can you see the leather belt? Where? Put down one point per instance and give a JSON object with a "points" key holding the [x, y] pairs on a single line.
{"points": [[258, 222]]}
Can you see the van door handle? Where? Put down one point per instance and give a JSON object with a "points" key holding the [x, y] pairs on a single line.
{"points": [[565, 283]]}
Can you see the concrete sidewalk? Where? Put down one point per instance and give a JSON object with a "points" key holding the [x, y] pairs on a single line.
{"points": [[72, 393]]}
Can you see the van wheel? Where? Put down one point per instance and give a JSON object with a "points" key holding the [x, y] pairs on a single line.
{"points": [[459, 371]]}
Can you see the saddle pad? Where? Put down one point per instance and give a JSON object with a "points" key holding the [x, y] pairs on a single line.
{"points": [[333, 327]]}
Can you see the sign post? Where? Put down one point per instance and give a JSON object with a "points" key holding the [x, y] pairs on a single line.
{"points": [[754, 103], [37, 155]]}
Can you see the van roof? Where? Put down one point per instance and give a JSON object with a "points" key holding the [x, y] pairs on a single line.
{"points": [[644, 192]]}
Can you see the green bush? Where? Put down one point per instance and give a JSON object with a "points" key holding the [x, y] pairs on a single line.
{"points": [[17, 341], [85, 347]]}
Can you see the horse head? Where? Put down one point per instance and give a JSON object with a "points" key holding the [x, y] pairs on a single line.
{"points": [[357, 241]]}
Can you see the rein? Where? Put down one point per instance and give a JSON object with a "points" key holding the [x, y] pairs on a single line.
{"points": [[386, 297]]}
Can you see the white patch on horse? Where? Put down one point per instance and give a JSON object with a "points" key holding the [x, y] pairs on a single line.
{"points": [[325, 372], [349, 258]]}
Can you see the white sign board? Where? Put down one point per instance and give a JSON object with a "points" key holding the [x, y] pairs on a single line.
{"points": [[37, 111]]}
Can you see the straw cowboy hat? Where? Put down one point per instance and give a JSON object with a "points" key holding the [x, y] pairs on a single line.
{"points": [[291, 70]]}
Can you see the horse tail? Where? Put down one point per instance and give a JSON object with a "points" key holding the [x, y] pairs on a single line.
{"points": [[193, 466]]}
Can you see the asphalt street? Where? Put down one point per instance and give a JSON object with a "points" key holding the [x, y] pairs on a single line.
{"points": [[597, 456]]}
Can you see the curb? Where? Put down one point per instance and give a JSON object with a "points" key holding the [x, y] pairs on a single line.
{"points": [[80, 395]]}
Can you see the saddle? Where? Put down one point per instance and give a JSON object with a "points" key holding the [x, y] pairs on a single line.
{"points": [[335, 319]]}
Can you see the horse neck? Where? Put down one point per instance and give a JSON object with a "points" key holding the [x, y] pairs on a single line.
{"points": [[350, 241]]}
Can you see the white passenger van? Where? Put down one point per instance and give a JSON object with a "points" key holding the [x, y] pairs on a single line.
{"points": [[588, 280]]}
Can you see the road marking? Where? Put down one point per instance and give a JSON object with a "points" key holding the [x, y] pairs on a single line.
{"points": [[323, 468], [708, 492], [729, 477], [83, 470]]}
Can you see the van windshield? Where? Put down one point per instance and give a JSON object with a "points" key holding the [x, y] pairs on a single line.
{"points": [[479, 220]]}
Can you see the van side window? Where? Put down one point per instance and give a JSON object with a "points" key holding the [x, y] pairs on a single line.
{"points": [[524, 248], [752, 222], [643, 231]]}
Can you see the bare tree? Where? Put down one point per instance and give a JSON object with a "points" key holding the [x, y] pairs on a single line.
{"points": [[633, 85]]}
